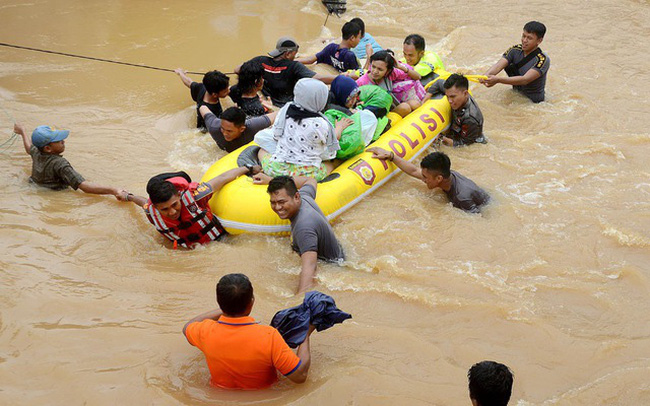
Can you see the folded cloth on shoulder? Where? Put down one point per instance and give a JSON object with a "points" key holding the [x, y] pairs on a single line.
{"points": [[318, 309]]}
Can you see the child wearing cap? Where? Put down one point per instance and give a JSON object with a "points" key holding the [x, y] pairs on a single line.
{"points": [[50, 169]]}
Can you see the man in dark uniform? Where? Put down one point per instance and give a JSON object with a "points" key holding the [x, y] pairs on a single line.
{"points": [[525, 64]]}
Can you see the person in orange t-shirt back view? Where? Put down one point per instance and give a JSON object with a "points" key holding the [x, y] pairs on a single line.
{"points": [[242, 354]]}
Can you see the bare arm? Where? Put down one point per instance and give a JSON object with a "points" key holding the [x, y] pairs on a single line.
{"points": [[130, 197], [304, 353], [327, 79], [341, 125], [413, 74], [20, 130], [497, 67], [401, 163], [218, 182], [307, 60], [528, 77], [96, 189], [212, 315], [308, 261], [183, 75], [301, 181]]}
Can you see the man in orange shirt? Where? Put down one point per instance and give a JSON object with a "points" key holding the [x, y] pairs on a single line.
{"points": [[241, 354]]}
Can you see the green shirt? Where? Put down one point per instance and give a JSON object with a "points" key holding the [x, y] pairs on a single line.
{"points": [[53, 171]]}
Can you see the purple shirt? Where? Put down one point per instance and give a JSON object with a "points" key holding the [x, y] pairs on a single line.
{"points": [[342, 59]]}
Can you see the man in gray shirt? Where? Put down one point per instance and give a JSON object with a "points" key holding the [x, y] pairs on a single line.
{"points": [[435, 171], [525, 64], [233, 129], [312, 236]]}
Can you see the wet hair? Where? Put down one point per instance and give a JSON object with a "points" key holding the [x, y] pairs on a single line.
{"points": [[215, 81], [282, 182], [456, 80], [536, 28], [387, 57], [437, 162], [416, 40], [250, 74], [350, 29], [490, 383], [234, 293], [361, 25], [160, 190], [235, 115]]}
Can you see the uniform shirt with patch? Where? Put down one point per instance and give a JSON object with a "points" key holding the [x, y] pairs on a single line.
{"points": [[53, 171], [303, 143], [541, 63], [465, 194], [466, 122], [253, 126], [310, 230], [342, 59], [198, 91], [280, 77]]}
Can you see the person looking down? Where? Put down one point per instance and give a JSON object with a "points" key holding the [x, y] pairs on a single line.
{"points": [[240, 353], [233, 129], [423, 62], [490, 384], [245, 92], [339, 55]]}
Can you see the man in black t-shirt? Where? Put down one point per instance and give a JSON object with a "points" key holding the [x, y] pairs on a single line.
{"points": [[213, 87], [281, 72]]}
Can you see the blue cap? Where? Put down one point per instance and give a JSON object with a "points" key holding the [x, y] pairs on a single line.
{"points": [[44, 134]]}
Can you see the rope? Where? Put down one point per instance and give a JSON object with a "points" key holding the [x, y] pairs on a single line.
{"points": [[9, 142], [98, 59]]}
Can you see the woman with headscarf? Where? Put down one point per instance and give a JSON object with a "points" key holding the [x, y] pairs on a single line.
{"points": [[302, 135]]}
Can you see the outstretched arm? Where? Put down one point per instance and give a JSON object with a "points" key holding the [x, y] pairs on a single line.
{"points": [[531, 75], [307, 60], [493, 71], [20, 130], [218, 182], [308, 262], [97, 189], [403, 164], [327, 79], [183, 75]]}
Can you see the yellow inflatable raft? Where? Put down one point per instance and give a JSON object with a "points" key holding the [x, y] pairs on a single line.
{"points": [[243, 207]]}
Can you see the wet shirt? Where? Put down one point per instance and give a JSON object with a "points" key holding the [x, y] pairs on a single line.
{"points": [[467, 124], [252, 106], [342, 59], [310, 230], [280, 77], [240, 353], [197, 90], [465, 194], [253, 126], [541, 63], [53, 171]]}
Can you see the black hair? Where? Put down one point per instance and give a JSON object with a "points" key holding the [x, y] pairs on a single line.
{"points": [[490, 383], [416, 40], [350, 29], [215, 81], [234, 293], [235, 115], [536, 28], [437, 162], [160, 190], [250, 73], [361, 25], [282, 182], [387, 57], [457, 80]]}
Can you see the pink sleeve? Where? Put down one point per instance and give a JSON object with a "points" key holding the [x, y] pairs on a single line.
{"points": [[363, 80], [399, 75]]}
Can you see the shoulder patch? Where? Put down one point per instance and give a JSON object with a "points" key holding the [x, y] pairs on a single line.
{"points": [[518, 47], [541, 60]]}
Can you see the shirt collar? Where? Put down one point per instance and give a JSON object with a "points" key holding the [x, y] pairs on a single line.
{"points": [[237, 321]]}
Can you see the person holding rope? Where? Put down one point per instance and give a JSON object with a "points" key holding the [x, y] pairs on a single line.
{"points": [[215, 86], [50, 169]]}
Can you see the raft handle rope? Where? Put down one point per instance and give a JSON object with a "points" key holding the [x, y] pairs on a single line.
{"points": [[99, 59]]}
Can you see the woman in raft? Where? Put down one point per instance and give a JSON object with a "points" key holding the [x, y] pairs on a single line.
{"points": [[396, 78], [302, 137]]}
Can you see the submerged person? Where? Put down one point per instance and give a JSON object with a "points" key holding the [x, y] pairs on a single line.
{"points": [[50, 169], [234, 129], [466, 117], [396, 78], [525, 64], [339, 56], [312, 236], [178, 208], [435, 171], [241, 353], [361, 50], [302, 137], [245, 92], [490, 384], [282, 71], [207, 93], [423, 61]]}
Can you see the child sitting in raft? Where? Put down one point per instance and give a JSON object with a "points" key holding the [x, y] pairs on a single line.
{"points": [[302, 137], [245, 92], [396, 78]]}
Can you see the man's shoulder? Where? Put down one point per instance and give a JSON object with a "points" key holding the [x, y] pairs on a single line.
{"points": [[514, 48], [541, 60]]}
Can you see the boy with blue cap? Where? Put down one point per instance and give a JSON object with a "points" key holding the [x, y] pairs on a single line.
{"points": [[50, 169]]}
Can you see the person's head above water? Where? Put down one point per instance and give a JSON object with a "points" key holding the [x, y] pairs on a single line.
{"points": [[436, 168], [250, 77], [165, 197], [413, 49], [490, 384], [361, 25], [456, 90], [49, 140], [345, 91], [216, 83], [284, 196], [235, 295], [285, 48], [382, 64], [352, 33], [233, 123], [532, 36], [311, 94]]}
